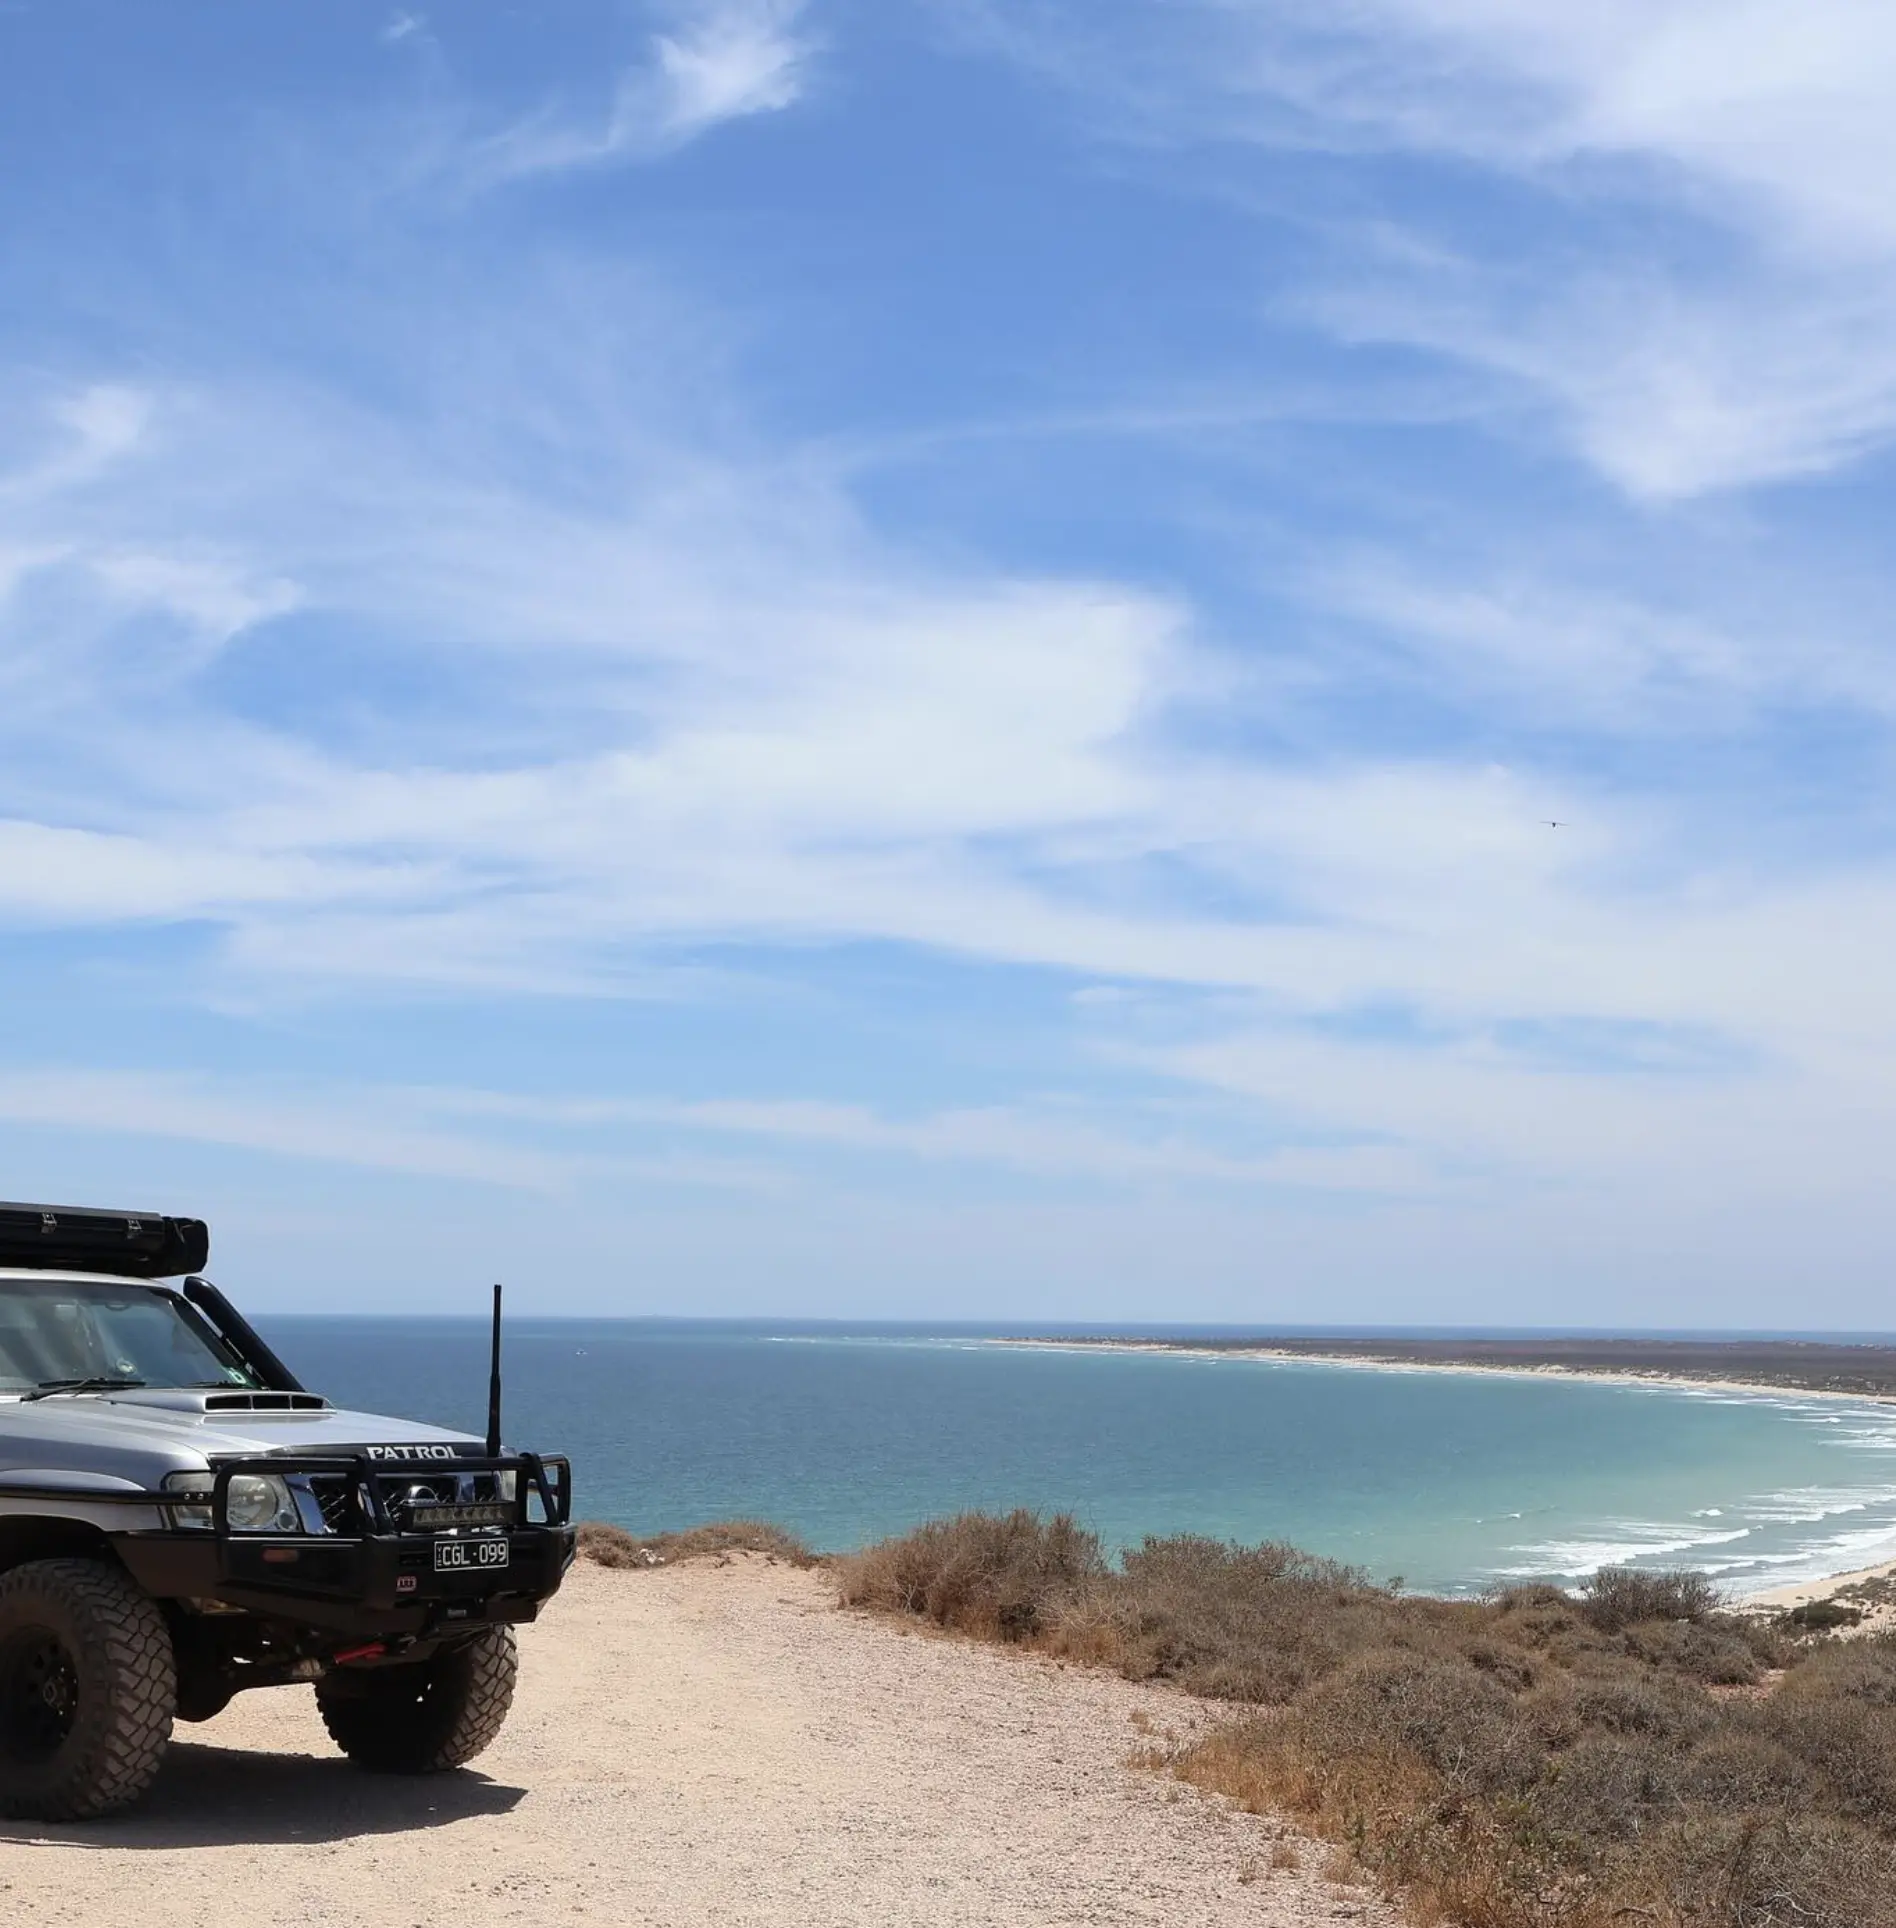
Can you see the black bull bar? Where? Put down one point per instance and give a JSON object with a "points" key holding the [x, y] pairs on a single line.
{"points": [[366, 1474], [374, 1573]]}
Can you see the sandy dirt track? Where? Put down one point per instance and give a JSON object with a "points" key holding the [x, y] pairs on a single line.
{"points": [[702, 1744]]}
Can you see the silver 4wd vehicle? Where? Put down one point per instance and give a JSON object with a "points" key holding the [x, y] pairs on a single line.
{"points": [[180, 1520]]}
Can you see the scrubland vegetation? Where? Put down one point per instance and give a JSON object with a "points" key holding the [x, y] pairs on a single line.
{"points": [[613, 1546], [1537, 1759]]}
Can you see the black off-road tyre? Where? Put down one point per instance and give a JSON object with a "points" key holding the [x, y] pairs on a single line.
{"points": [[426, 1716], [88, 1687]]}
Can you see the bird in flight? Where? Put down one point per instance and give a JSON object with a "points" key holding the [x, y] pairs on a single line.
{"points": [[1553, 824]]}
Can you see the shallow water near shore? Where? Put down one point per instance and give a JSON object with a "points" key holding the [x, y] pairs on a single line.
{"points": [[1451, 1480]]}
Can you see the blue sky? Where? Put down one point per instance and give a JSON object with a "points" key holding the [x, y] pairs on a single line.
{"points": [[912, 659]]}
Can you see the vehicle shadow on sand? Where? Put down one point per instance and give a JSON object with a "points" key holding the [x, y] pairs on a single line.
{"points": [[233, 1796]]}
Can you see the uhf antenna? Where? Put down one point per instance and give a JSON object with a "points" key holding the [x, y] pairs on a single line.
{"points": [[493, 1386]]}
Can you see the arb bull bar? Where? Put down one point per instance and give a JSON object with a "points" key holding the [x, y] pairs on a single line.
{"points": [[375, 1569]]}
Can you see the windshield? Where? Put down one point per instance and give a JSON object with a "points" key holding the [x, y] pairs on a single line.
{"points": [[60, 1331]]}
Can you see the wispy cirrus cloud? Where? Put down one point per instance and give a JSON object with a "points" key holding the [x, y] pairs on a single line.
{"points": [[1671, 385], [469, 642], [1709, 303], [382, 1130], [555, 1144], [723, 60], [741, 717]]}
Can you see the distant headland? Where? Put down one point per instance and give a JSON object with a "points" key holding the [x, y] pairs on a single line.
{"points": [[1778, 1365]]}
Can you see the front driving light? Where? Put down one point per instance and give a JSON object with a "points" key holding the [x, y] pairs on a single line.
{"points": [[261, 1503]]}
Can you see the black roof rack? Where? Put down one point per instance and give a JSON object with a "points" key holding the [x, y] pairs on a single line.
{"points": [[129, 1245]]}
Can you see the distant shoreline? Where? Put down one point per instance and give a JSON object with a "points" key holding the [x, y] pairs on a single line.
{"points": [[1767, 1368], [1771, 1366]]}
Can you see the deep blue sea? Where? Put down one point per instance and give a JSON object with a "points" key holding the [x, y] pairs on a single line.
{"points": [[1450, 1480]]}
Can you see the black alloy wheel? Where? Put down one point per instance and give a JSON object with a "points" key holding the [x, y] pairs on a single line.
{"points": [[39, 1695], [88, 1690]]}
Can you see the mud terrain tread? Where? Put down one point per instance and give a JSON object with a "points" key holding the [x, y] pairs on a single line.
{"points": [[125, 1646], [426, 1718]]}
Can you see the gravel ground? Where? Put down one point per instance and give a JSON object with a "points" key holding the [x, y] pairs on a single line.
{"points": [[712, 1743]]}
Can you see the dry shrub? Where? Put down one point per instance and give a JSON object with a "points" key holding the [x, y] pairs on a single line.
{"points": [[1608, 1789], [1823, 1616], [1769, 1871], [1620, 1597], [1721, 1653], [1621, 1792], [1837, 1712], [1536, 1759], [1003, 1578], [613, 1546], [1856, 1670], [1641, 1703], [1230, 1622], [1742, 1769], [1458, 1722]]}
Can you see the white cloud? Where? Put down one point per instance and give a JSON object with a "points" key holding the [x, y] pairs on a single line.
{"points": [[1043, 1142], [1510, 635], [1670, 384], [56, 874], [735, 716], [417, 1134], [1722, 317], [95, 429], [210, 597], [726, 60], [594, 693], [698, 703], [106, 420], [559, 1144], [204, 1112], [1785, 112], [734, 60], [1673, 1145]]}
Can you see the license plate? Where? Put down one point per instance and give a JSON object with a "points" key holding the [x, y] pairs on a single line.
{"points": [[463, 1556]]}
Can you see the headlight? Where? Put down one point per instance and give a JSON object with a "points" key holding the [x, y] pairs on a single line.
{"points": [[258, 1503], [196, 1517], [261, 1503], [506, 1485]]}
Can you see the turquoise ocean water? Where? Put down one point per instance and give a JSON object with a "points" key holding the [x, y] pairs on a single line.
{"points": [[1449, 1479]]}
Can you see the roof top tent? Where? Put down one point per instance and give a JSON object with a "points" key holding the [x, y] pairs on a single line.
{"points": [[136, 1245], [127, 1245]]}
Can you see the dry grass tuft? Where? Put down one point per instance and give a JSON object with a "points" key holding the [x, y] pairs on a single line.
{"points": [[1537, 1759], [613, 1546]]}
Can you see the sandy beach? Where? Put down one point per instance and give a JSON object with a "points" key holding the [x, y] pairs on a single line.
{"points": [[1871, 1590], [1701, 1382], [708, 1743]]}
